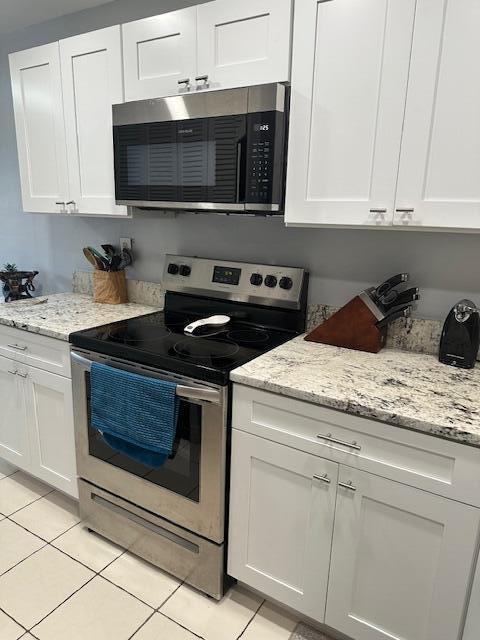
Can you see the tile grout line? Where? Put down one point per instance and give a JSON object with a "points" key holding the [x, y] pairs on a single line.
{"points": [[13, 619], [251, 619]]}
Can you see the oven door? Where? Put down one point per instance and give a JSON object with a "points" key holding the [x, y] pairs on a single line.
{"points": [[189, 489], [198, 163]]}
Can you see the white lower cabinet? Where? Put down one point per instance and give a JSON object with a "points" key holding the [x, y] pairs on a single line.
{"points": [[36, 417], [49, 410], [13, 429], [370, 556], [281, 521], [401, 561]]}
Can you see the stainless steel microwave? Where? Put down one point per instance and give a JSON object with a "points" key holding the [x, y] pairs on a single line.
{"points": [[219, 151]]}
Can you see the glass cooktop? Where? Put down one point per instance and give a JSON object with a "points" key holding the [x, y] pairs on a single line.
{"points": [[159, 340]]}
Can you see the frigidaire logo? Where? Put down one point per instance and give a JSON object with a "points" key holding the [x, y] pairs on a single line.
{"points": [[185, 131]]}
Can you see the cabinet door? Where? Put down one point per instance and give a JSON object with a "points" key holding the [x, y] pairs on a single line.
{"points": [[438, 183], [13, 428], [349, 77], [158, 52], [40, 128], [281, 520], [401, 561], [50, 424], [92, 83], [244, 43], [473, 616]]}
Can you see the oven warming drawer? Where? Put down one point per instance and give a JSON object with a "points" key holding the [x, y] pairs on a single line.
{"points": [[195, 560]]}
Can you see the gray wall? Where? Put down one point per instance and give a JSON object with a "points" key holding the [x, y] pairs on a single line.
{"points": [[341, 262]]}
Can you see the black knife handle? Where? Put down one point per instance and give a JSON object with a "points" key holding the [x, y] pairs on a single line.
{"points": [[386, 286], [403, 297]]}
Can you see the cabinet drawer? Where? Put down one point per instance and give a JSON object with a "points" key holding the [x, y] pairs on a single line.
{"points": [[38, 351], [424, 461]]}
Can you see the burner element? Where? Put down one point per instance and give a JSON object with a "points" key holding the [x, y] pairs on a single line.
{"points": [[248, 336], [207, 350]]}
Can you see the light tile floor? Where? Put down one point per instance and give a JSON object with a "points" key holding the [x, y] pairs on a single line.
{"points": [[58, 581]]}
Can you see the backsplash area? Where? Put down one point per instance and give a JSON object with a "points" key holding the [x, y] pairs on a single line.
{"points": [[419, 335], [148, 293]]}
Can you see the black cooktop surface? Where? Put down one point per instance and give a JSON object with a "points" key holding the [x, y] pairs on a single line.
{"points": [[158, 340]]}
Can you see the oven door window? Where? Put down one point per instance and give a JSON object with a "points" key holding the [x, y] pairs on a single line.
{"points": [[180, 473], [200, 160]]}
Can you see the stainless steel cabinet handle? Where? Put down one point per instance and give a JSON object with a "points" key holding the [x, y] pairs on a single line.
{"points": [[22, 375], [330, 438], [17, 347], [63, 202], [203, 79], [70, 202], [323, 478], [14, 373], [186, 82], [348, 485], [378, 211], [404, 210]]}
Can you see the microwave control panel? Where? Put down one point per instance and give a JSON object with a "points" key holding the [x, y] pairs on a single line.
{"points": [[265, 144]]}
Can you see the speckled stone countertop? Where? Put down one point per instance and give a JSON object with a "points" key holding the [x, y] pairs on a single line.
{"points": [[405, 389], [64, 313]]}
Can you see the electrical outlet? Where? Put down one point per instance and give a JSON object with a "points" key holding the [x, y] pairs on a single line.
{"points": [[126, 243]]}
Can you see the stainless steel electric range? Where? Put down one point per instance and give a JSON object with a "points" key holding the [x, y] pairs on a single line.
{"points": [[175, 516]]}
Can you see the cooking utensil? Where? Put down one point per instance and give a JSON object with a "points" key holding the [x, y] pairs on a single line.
{"points": [[389, 284], [215, 321], [100, 257], [395, 298], [403, 312], [126, 260], [96, 262]]}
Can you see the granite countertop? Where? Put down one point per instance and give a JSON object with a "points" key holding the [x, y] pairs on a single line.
{"points": [[405, 389], [64, 313]]}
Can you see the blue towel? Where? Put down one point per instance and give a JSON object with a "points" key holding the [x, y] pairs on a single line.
{"points": [[136, 415]]}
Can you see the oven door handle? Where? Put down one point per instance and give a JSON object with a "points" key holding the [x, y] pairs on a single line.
{"points": [[189, 393]]}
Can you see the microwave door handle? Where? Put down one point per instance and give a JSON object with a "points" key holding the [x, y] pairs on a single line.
{"points": [[239, 169], [189, 393]]}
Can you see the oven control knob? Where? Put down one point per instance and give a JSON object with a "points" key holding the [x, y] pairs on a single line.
{"points": [[185, 270], [270, 281], [285, 283], [172, 269], [256, 279]]}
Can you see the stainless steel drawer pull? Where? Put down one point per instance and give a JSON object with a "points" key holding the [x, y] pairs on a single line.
{"points": [[404, 210], [348, 485], [17, 346], [378, 211], [22, 375], [14, 373], [330, 438], [323, 478]]}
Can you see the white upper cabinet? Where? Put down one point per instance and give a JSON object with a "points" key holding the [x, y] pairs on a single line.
{"points": [[401, 561], [158, 53], [439, 183], [349, 77], [38, 106], [244, 43], [92, 79]]}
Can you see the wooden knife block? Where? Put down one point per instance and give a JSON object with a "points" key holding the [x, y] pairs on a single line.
{"points": [[352, 327]]}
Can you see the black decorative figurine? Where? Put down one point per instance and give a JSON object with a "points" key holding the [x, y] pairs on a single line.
{"points": [[14, 287]]}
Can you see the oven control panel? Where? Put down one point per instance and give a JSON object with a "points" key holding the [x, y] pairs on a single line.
{"points": [[240, 281]]}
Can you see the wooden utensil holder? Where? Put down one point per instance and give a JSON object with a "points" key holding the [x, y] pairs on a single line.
{"points": [[109, 287], [352, 327]]}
